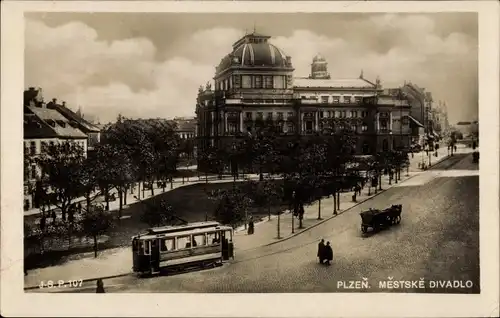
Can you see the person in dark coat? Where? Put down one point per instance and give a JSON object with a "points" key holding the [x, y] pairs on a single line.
{"points": [[321, 251], [100, 287], [250, 226], [328, 253]]}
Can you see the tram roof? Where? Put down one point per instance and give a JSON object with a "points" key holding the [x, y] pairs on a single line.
{"points": [[195, 228], [176, 228]]}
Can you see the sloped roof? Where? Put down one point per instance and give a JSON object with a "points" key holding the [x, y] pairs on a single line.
{"points": [[84, 125], [34, 128], [60, 124], [332, 83]]}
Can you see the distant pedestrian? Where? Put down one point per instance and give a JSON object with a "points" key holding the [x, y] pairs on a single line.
{"points": [[251, 226], [328, 253], [321, 250], [100, 287], [53, 216], [455, 148], [79, 208]]}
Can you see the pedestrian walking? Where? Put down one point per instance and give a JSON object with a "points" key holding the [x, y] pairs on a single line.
{"points": [[79, 208], [53, 216], [100, 287], [321, 251], [328, 253], [250, 226]]}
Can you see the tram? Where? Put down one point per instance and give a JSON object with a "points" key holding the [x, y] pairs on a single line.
{"points": [[199, 244]]}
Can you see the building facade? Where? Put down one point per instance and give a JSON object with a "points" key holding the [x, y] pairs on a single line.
{"points": [[43, 127], [254, 84]]}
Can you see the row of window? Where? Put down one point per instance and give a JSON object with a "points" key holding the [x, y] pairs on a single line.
{"points": [[186, 135], [252, 81], [180, 242], [309, 124], [322, 114], [30, 147], [337, 99]]}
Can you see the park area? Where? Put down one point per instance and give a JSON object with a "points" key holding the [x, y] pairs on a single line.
{"points": [[190, 202]]}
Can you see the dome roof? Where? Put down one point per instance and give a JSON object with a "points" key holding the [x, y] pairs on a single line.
{"points": [[255, 50], [319, 58]]}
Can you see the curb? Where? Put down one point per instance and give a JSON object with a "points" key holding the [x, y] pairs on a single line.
{"points": [[86, 280], [355, 205]]}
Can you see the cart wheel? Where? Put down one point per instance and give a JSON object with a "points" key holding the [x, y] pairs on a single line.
{"points": [[398, 220], [363, 229]]}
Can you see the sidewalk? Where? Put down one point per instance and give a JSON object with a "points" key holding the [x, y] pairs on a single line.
{"points": [[118, 261]]}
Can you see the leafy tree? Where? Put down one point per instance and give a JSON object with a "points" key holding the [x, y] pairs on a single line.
{"points": [[231, 206], [61, 168], [265, 193], [96, 222], [155, 216]]}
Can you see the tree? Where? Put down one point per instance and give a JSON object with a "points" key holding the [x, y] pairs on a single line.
{"points": [[265, 193], [155, 216], [261, 147], [231, 206], [61, 168], [96, 222]]}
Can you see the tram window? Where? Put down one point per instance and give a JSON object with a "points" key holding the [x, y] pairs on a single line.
{"points": [[199, 240], [229, 236], [146, 247], [141, 246], [167, 244], [213, 238], [183, 242]]}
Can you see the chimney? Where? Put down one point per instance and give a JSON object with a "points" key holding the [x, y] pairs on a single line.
{"points": [[64, 103], [54, 100], [31, 89]]}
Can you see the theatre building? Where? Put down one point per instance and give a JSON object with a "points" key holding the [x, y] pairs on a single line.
{"points": [[254, 84]]}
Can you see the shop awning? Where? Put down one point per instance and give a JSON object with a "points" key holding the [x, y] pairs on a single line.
{"points": [[416, 122]]}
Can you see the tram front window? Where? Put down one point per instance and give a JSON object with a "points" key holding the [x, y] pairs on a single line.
{"points": [[229, 236], [141, 247]]}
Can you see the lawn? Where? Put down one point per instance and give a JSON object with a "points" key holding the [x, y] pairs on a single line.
{"points": [[190, 203]]}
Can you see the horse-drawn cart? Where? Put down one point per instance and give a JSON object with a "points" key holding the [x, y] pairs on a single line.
{"points": [[377, 219]]}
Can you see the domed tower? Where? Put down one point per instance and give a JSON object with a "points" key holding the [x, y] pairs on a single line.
{"points": [[319, 68], [254, 63]]}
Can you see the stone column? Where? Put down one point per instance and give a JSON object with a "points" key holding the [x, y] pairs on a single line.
{"points": [[241, 121], [225, 122], [316, 128], [390, 121], [377, 123]]}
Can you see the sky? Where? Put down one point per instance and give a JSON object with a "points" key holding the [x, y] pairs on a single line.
{"points": [[148, 65]]}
